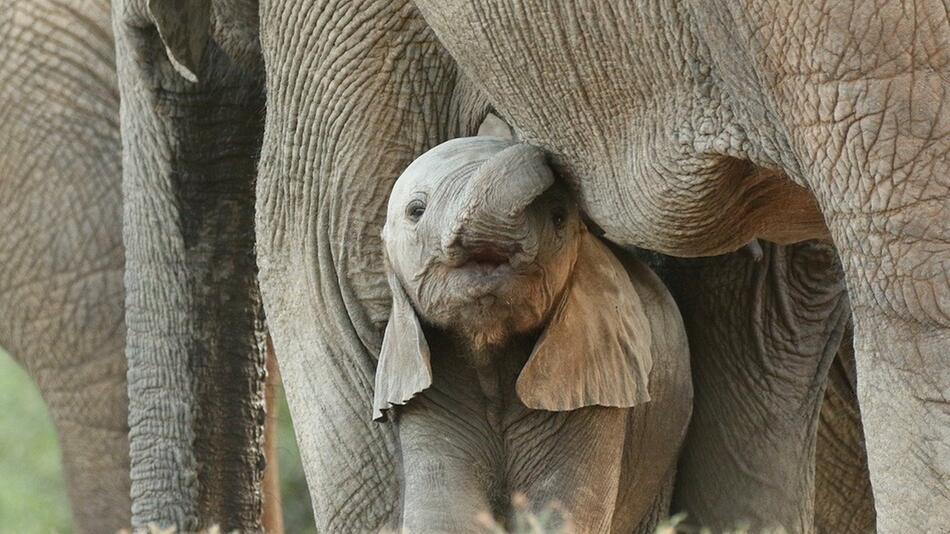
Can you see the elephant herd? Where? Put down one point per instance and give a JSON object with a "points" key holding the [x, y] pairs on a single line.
{"points": [[704, 268]]}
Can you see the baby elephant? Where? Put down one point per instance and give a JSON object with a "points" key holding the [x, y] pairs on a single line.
{"points": [[522, 355]]}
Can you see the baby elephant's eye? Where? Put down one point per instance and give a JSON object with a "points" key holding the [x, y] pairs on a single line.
{"points": [[559, 216], [415, 209]]}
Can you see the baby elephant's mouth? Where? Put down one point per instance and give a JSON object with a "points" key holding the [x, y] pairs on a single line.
{"points": [[488, 256], [478, 270], [483, 255]]}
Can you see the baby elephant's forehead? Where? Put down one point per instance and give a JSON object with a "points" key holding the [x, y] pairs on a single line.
{"points": [[429, 169]]}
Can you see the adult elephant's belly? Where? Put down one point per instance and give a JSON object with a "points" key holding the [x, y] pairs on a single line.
{"points": [[694, 206], [624, 98]]}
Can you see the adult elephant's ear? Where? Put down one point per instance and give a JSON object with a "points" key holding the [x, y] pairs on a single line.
{"points": [[404, 367], [184, 27], [596, 349]]}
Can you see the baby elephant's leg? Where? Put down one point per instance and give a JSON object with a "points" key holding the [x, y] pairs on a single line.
{"points": [[569, 461], [447, 467]]}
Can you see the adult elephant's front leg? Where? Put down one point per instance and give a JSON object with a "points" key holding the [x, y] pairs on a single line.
{"points": [[355, 92], [896, 252]]}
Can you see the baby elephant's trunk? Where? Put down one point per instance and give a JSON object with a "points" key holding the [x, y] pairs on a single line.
{"points": [[496, 197]]}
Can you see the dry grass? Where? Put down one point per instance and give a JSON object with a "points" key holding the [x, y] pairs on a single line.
{"points": [[549, 521], [553, 519]]}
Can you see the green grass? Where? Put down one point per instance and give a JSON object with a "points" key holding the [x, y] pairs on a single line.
{"points": [[32, 493], [298, 513]]}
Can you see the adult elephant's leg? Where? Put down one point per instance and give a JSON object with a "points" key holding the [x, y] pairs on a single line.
{"points": [[891, 223], [864, 109], [61, 297], [897, 259], [885, 192], [843, 499], [195, 335], [762, 336], [355, 91]]}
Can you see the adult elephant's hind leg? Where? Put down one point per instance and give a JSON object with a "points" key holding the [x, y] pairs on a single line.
{"points": [[843, 499], [897, 264], [61, 255], [865, 110], [762, 334]]}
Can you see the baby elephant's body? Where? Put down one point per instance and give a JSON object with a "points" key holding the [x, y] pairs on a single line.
{"points": [[523, 356], [468, 444]]}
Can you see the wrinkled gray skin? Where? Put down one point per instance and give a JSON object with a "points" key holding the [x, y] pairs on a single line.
{"points": [[687, 128], [518, 350], [759, 390], [196, 339], [663, 112], [663, 120], [61, 294], [844, 501]]}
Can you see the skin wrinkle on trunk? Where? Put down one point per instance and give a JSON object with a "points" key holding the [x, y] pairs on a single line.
{"points": [[61, 257], [196, 339], [762, 334], [497, 202], [367, 88]]}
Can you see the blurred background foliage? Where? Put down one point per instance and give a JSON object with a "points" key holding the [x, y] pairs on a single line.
{"points": [[32, 493]]}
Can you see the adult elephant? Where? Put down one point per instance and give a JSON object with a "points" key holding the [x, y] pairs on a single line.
{"points": [[61, 293], [663, 116], [685, 128]]}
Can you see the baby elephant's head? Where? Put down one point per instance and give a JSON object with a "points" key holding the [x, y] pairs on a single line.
{"points": [[483, 242], [481, 238]]}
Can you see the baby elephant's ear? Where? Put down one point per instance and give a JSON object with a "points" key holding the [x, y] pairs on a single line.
{"points": [[404, 367], [596, 349]]}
